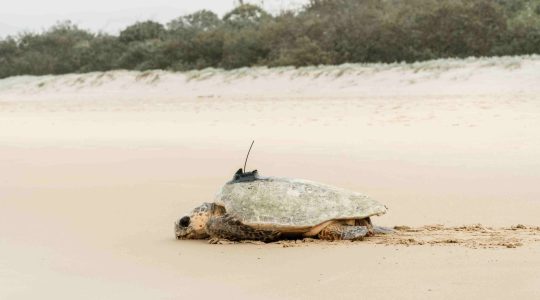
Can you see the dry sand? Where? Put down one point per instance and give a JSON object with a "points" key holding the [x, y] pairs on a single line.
{"points": [[95, 168]]}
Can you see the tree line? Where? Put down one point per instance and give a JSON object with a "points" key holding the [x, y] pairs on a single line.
{"points": [[322, 32]]}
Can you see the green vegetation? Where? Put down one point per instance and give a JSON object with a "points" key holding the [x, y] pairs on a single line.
{"points": [[323, 32]]}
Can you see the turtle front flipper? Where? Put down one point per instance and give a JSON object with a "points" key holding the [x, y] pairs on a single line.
{"points": [[230, 228], [339, 231]]}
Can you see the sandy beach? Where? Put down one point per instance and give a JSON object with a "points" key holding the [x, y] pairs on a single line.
{"points": [[95, 168]]}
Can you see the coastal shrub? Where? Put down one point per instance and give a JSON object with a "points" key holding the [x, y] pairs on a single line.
{"points": [[321, 32]]}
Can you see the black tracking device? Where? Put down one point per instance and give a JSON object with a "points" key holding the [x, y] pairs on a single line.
{"points": [[241, 175]]}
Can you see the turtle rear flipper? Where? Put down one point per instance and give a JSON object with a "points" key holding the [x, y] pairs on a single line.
{"points": [[339, 231], [382, 230], [230, 228]]}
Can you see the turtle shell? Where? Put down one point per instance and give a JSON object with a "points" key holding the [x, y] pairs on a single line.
{"points": [[294, 204]]}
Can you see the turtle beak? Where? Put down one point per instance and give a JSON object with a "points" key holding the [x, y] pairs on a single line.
{"points": [[177, 230]]}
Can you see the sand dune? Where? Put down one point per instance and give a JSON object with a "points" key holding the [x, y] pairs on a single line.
{"points": [[440, 77], [95, 168]]}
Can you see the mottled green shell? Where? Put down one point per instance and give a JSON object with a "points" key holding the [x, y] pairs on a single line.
{"points": [[293, 203]]}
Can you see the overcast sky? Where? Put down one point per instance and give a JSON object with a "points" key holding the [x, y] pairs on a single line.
{"points": [[110, 15]]}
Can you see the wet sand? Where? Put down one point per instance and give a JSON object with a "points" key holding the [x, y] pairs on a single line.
{"points": [[90, 187]]}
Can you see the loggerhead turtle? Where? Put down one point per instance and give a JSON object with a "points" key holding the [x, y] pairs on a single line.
{"points": [[251, 207]]}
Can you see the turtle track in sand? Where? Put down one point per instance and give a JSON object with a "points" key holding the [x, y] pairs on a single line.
{"points": [[470, 236], [475, 236]]}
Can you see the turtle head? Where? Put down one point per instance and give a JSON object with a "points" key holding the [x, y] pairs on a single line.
{"points": [[193, 225]]}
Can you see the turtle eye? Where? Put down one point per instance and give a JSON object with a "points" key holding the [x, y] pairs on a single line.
{"points": [[184, 222]]}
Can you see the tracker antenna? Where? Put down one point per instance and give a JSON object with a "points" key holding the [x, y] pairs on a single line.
{"points": [[245, 163]]}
